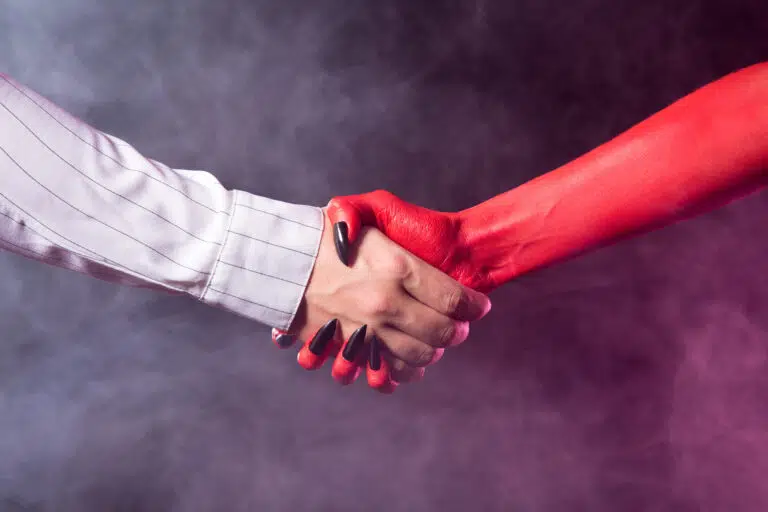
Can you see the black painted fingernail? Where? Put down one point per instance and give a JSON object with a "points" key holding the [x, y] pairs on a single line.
{"points": [[374, 359], [285, 340], [324, 335], [355, 343], [341, 240]]}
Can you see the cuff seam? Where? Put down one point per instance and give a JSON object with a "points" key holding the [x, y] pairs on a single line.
{"points": [[311, 270], [215, 267]]}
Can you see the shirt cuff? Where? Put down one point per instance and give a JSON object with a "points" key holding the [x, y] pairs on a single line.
{"points": [[266, 259]]}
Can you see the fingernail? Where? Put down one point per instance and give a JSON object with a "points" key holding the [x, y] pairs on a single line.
{"points": [[374, 359], [355, 343], [285, 340], [324, 335], [341, 240]]}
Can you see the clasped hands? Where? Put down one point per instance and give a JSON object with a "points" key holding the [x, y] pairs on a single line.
{"points": [[398, 294], [408, 290]]}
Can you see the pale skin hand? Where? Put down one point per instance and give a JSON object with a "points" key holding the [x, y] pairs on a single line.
{"points": [[413, 308]]}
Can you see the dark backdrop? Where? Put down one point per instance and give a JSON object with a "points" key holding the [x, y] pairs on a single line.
{"points": [[632, 379]]}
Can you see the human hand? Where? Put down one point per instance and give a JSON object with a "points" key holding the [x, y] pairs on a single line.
{"points": [[387, 295]]}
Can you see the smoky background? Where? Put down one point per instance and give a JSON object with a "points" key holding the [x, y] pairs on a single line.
{"points": [[634, 378]]}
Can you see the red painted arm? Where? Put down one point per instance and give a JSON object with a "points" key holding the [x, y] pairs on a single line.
{"points": [[704, 150]]}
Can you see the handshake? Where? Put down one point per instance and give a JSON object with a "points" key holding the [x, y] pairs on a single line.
{"points": [[393, 284], [394, 308], [401, 293]]}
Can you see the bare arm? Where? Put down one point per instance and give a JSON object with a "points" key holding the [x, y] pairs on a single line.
{"points": [[702, 151]]}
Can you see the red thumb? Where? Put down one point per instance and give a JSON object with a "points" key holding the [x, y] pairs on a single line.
{"points": [[371, 209]]}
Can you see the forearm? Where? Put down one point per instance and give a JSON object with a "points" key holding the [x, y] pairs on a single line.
{"points": [[697, 154], [74, 197]]}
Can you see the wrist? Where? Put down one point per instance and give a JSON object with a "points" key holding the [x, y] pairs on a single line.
{"points": [[498, 235]]}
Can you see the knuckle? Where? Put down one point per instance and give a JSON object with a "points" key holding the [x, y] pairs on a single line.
{"points": [[447, 335], [384, 195], [453, 300], [408, 374], [461, 334], [399, 365], [453, 334], [379, 303], [398, 265], [423, 356]]}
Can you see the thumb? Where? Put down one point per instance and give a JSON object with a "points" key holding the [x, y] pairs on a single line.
{"points": [[370, 209]]}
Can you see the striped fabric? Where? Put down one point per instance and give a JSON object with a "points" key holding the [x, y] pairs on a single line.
{"points": [[77, 198]]}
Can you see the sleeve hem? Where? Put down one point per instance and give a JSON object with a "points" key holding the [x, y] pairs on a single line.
{"points": [[215, 267], [266, 259], [306, 279]]}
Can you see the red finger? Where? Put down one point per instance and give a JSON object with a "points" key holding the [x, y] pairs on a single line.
{"points": [[314, 353], [346, 366], [349, 213], [341, 210], [379, 377], [282, 339]]}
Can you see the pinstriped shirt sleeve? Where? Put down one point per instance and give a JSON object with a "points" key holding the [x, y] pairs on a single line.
{"points": [[77, 198]]}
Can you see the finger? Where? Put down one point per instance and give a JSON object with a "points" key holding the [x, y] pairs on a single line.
{"points": [[347, 365], [401, 372], [377, 371], [348, 214], [282, 339], [427, 325], [341, 241], [352, 213], [440, 292], [346, 226], [335, 346], [314, 353], [408, 349]]}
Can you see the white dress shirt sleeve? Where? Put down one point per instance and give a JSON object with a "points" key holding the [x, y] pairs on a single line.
{"points": [[77, 198]]}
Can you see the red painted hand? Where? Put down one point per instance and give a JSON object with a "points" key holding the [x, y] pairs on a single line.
{"points": [[699, 153], [702, 151], [435, 237]]}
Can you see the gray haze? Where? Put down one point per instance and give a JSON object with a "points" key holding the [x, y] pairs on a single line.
{"points": [[633, 379]]}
